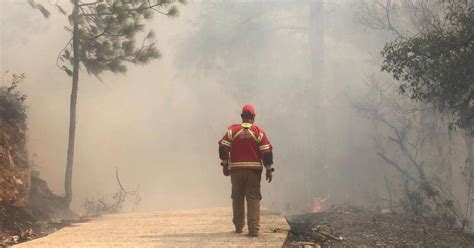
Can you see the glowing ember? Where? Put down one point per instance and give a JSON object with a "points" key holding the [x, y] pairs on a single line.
{"points": [[319, 203]]}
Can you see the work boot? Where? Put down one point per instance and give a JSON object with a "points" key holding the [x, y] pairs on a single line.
{"points": [[253, 234]]}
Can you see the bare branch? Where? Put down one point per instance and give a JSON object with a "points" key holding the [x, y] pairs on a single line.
{"points": [[118, 180], [89, 4], [398, 168], [153, 7], [61, 52]]}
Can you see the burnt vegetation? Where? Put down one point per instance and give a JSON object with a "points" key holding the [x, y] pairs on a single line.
{"points": [[430, 97], [101, 206], [25, 210]]}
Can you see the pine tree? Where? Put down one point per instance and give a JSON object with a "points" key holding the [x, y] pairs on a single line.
{"points": [[104, 37]]}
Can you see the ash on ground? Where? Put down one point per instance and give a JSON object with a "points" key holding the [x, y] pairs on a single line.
{"points": [[350, 226]]}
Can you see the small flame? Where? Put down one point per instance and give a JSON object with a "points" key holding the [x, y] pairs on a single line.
{"points": [[319, 203]]}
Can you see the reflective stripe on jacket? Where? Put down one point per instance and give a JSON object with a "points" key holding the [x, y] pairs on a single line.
{"points": [[246, 144]]}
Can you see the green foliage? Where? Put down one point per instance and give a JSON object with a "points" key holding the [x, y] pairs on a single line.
{"points": [[109, 31], [436, 67], [12, 106]]}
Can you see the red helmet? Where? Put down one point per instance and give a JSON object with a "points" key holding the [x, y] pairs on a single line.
{"points": [[248, 109]]}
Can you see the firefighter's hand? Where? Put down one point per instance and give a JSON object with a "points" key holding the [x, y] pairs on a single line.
{"points": [[225, 170], [269, 176]]}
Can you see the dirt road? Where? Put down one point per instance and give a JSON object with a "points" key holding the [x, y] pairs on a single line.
{"points": [[189, 228]]}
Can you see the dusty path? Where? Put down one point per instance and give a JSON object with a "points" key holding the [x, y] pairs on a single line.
{"points": [[189, 228]]}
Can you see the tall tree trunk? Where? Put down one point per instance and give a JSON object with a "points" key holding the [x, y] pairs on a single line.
{"points": [[467, 123], [72, 111], [318, 134], [468, 139], [449, 160], [470, 136]]}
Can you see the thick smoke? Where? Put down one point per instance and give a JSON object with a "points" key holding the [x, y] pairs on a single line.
{"points": [[298, 62]]}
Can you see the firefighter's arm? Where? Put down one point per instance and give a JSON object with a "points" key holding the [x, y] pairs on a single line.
{"points": [[224, 149], [266, 151]]}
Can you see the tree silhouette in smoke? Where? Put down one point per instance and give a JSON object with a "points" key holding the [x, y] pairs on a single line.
{"points": [[104, 37]]}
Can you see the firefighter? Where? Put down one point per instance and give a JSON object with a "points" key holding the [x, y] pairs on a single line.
{"points": [[244, 152]]}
